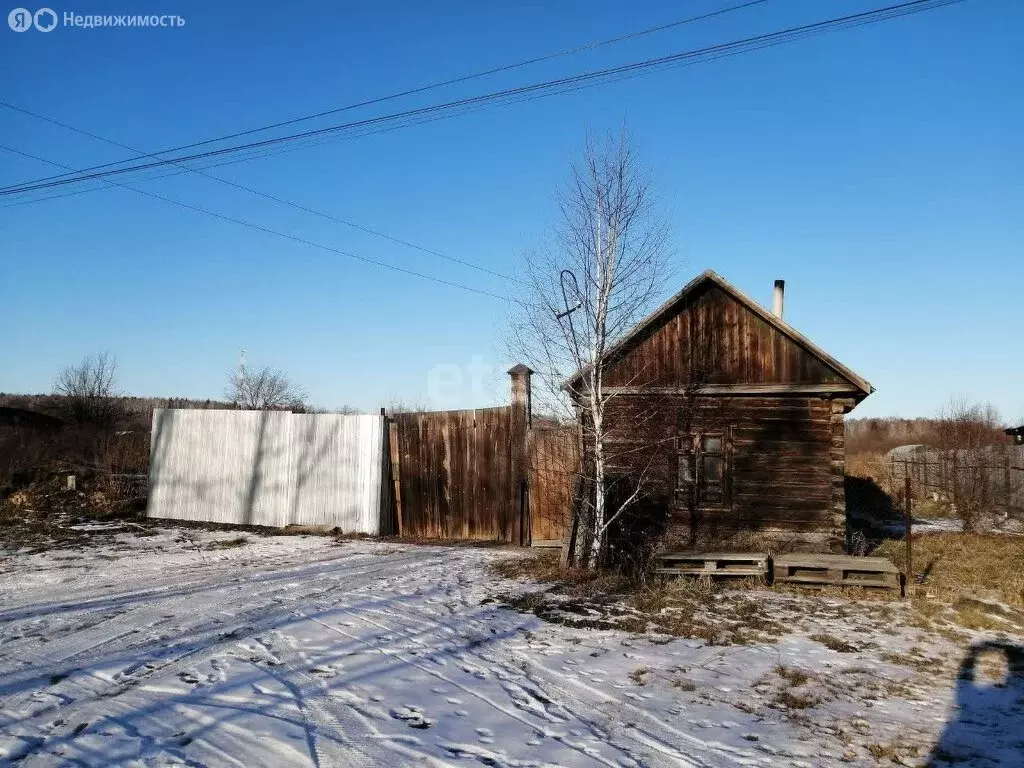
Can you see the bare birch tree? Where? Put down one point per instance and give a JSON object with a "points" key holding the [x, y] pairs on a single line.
{"points": [[603, 269], [264, 389]]}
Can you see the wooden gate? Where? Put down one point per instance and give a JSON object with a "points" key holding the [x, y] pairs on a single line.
{"points": [[483, 473], [458, 475]]}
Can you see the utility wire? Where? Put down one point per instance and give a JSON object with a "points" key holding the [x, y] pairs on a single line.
{"points": [[714, 51], [268, 196], [277, 233], [434, 86]]}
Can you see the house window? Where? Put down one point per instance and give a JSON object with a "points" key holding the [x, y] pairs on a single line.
{"points": [[704, 471]]}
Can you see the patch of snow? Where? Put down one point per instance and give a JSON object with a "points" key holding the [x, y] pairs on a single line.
{"points": [[295, 651]]}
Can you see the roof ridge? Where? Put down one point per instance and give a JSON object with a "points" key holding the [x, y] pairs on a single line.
{"points": [[781, 325]]}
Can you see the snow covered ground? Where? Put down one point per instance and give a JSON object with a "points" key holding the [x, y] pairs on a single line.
{"points": [[160, 649]]}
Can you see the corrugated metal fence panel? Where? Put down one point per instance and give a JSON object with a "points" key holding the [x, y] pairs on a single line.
{"points": [[267, 468], [338, 462], [221, 466]]}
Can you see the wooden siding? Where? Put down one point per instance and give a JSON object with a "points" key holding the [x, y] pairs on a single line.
{"points": [[714, 339], [457, 478]]}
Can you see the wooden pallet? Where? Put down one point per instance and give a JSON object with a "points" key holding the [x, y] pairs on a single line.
{"points": [[734, 564], [837, 570]]}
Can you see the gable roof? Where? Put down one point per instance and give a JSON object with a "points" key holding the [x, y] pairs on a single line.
{"points": [[708, 276]]}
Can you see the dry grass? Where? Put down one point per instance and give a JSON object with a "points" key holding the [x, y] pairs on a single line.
{"points": [[913, 659], [639, 675], [893, 753], [795, 700], [965, 564], [794, 676], [833, 643], [682, 684], [975, 614], [960, 569], [872, 465], [238, 541], [992, 668], [695, 608], [859, 594], [539, 567]]}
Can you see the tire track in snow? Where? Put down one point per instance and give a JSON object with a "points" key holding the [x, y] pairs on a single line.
{"points": [[511, 713], [645, 737], [169, 611], [239, 627]]}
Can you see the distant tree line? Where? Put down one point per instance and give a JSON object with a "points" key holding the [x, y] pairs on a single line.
{"points": [[959, 424]]}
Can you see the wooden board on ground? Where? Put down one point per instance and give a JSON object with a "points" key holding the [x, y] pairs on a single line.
{"points": [[733, 564], [838, 570], [547, 543]]}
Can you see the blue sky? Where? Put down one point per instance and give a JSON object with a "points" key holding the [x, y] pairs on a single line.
{"points": [[878, 170]]}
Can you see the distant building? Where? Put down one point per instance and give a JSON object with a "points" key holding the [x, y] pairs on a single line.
{"points": [[1017, 433]]}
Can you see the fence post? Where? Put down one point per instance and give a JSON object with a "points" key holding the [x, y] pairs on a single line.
{"points": [[396, 471], [521, 422], [1007, 487], [908, 524], [954, 488]]}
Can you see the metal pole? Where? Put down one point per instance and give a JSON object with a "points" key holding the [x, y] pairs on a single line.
{"points": [[907, 509]]}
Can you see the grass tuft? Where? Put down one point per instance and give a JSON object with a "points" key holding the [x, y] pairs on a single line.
{"points": [[639, 675], [833, 643], [239, 541]]}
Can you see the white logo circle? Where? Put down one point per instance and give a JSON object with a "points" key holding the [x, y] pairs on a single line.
{"points": [[44, 22], [20, 19]]}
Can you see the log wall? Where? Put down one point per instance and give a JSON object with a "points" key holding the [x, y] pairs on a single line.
{"points": [[784, 468]]}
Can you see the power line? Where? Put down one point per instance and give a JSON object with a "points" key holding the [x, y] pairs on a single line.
{"points": [[268, 196], [433, 86], [277, 233], [581, 80]]}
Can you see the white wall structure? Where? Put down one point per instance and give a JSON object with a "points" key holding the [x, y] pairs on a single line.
{"points": [[267, 468], [337, 470]]}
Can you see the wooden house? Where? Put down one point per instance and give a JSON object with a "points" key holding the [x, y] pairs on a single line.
{"points": [[731, 421]]}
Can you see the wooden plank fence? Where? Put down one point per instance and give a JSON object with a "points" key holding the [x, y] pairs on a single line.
{"points": [[554, 461], [456, 477], [991, 476], [483, 474], [480, 474]]}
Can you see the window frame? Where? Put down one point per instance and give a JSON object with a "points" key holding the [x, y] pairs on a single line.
{"points": [[691, 484]]}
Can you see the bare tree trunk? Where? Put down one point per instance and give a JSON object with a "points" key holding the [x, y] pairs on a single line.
{"points": [[612, 245]]}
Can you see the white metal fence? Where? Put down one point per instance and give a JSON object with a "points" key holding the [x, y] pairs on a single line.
{"points": [[268, 468]]}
